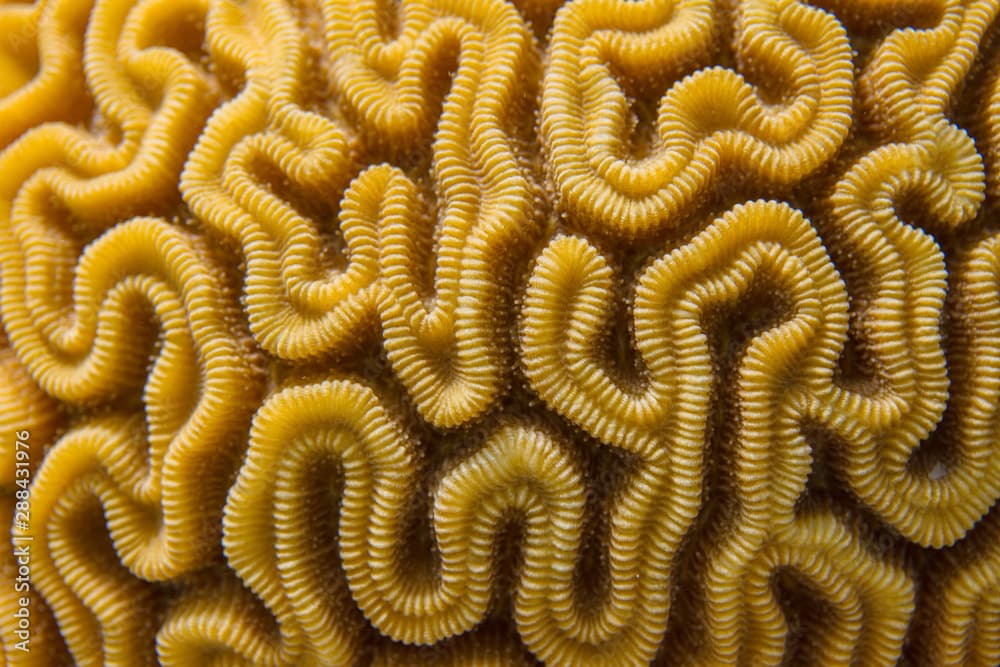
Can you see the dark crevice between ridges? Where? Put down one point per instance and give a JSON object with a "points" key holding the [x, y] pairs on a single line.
{"points": [[937, 568], [969, 104], [321, 515], [321, 212], [89, 534], [730, 329], [857, 367], [936, 453], [807, 616], [828, 490], [495, 638]]}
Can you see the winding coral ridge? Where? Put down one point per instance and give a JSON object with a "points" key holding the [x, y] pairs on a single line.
{"points": [[710, 120], [476, 333], [33, 419], [438, 328]]}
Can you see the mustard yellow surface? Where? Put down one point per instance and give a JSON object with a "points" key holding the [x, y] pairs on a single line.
{"points": [[469, 332]]}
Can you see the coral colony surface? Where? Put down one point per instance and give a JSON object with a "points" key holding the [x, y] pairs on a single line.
{"points": [[462, 332]]}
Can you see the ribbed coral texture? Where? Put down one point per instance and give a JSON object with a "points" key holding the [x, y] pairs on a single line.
{"points": [[463, 332]]}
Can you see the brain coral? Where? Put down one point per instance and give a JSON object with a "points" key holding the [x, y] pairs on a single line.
{"points": [[462, 332]]}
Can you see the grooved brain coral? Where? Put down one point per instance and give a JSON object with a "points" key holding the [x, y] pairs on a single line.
{"points": [[461, 332]]}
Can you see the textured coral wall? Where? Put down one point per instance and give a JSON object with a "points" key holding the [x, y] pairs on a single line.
{"points": [[467, 332]]}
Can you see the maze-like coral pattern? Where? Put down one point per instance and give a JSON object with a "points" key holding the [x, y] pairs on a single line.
{"points": [[461, 332]]}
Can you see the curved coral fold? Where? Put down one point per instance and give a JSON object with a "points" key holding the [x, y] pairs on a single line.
{"points": [[967, 590], [500, 332], [32, 419], [709, 120]]}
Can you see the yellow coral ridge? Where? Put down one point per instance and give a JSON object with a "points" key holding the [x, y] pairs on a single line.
{"points": [[870, 597], [991, 121], [297, 307], [966, 587], [438, 328], [155, 480], [664, 423], [31, 419], [40, 64], [498, 332], [711, 119], [904, 277], [519, 469], [905, 290]]}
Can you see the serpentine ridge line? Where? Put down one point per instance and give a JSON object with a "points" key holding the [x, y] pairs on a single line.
{"points": [[488, 332]]}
